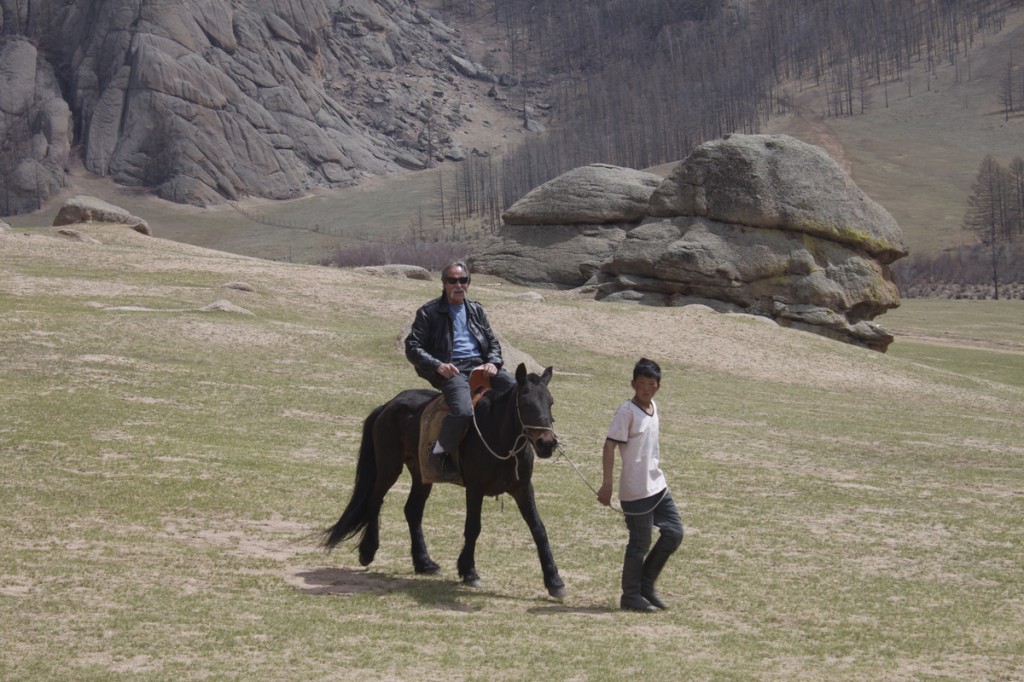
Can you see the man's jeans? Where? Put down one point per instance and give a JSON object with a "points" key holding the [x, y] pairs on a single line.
{"points": [[460, 402]]}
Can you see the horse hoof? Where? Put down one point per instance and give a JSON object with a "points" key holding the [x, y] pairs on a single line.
{"points": [[428, 568], [472, 582], [557, 592]]}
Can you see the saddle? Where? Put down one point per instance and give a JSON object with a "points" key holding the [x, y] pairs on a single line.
{"points": [[434, 413]]}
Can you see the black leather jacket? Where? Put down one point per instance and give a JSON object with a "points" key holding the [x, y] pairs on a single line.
{"points": [[430, 341]]}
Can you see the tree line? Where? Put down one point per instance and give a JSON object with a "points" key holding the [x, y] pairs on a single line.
{"points": [[995, 215], [638, 83]]}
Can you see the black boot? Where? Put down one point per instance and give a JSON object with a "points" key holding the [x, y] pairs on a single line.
{"points": [[446, 466], [651, 570], [443, 467], [632, 575]]}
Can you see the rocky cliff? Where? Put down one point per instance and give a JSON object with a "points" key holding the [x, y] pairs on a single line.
{"points": [[207, 100]]}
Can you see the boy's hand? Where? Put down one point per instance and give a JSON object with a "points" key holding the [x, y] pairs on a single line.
{"points": [[604, 494]]}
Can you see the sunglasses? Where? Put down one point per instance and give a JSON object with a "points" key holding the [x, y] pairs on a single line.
{"points": [[457, 280]]}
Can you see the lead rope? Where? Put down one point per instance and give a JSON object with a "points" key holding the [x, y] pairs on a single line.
{"points": [[522, 440], [561, 453]]}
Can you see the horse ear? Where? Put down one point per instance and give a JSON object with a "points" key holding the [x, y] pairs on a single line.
{"points": [[521, 373], [546, 376]]}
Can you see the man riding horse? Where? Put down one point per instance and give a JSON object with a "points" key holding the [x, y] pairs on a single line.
{"points": [[450, 337]]}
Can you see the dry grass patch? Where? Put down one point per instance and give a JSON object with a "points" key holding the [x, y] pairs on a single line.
{"points": [[164, 476]]}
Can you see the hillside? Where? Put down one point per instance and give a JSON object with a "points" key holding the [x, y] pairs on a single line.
{"points": [[917, 157], [167, 464]]}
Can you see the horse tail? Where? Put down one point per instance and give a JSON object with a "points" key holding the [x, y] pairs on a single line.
{"points": [[357, 514]]}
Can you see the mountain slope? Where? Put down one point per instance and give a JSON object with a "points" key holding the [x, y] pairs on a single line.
{"points": [[207, 101], [918, 155], [915, 150]]}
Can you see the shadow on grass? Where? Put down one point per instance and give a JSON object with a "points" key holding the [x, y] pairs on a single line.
{"points": [[560, 609], [430, 591]]}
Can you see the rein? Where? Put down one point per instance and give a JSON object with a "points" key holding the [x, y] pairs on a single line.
{"points": [[521, 441]]}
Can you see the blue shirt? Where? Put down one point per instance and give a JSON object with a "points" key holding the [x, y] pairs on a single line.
{"points": [[464, 343]]}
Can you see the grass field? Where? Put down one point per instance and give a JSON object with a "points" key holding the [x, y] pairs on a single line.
{"points": [[166, 469]]}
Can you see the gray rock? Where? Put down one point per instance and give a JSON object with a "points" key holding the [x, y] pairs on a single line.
{"points": [[209, 101], [225, 306], [776, 181], [35, 124], [84, 209], [548, 256], [594, 194], [396, 270], [470, 69]]}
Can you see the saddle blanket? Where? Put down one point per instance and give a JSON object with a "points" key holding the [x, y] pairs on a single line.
{"points": [[430, 428]]}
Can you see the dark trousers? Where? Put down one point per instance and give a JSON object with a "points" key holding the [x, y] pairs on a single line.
{"points": [[460, 402], [641, 518]]}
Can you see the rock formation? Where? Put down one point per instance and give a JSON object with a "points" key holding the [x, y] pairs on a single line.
{"points": [[560, 233], [206, 100], [759, 224], [35, 128], [83, 209]]}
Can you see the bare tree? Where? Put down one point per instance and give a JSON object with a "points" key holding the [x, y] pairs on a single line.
{"points": [[1006, 87], [987, 212], [647, 80], [1016, 193]]}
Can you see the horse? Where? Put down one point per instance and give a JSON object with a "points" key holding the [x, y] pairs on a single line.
{"points": [[496, 457]]}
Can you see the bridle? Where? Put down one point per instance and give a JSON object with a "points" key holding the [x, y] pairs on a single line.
{"points": [[521, 441]]}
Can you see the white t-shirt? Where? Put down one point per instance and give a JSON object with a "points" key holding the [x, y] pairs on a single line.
{"points": [[636, 432]]}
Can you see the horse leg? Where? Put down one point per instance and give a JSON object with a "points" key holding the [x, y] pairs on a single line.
{"points": [[467, 558], [414, 505], [528, 508]]}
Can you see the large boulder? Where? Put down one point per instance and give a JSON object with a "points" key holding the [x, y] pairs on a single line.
{"points": [[549, 256], [757, 224], [776, 181], [594, 194], [797, 280], [559, 234], [85, 209]]}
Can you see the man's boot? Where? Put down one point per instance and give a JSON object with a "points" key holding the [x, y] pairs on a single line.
{"points": [[632, 575], [449, 469], [651, 570], [445, 468]]}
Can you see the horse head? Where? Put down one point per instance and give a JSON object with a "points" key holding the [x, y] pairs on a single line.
{"points": [[534, 403]]}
